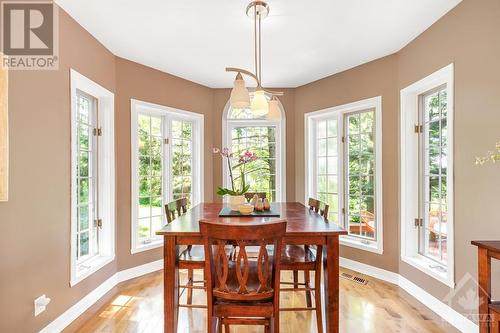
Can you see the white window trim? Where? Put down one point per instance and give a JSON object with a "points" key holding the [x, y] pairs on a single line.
{"points": [[376, 246], [408, 161], [228, 124], [106, 106], [197, 167]]}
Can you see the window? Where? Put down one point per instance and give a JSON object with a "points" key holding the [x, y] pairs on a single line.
{"points": [[92, 190], [167, 165], [266, 137], [427, 171], [343, 169]]}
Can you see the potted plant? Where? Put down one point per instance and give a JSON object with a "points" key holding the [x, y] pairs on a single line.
{"points": [[236, 194]]}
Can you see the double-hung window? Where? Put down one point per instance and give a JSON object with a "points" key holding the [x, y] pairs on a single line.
{"points": [[343, 168], [92, 194], [427, 175], [167, 164]]}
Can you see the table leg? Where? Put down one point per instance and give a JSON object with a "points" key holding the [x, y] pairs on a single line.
{"points": [[331, 284], [170, 284], [484, 288]]}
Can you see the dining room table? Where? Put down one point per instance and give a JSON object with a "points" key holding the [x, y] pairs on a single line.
{"points": [[304, 227]]}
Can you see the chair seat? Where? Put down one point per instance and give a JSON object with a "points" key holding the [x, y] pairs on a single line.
{"points": [[495, 307], [297, 255], [196, 253]]}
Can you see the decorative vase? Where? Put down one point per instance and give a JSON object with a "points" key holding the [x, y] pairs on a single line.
{"points": [[235, 201], [267, 205], [259, 207], [254, 200]]}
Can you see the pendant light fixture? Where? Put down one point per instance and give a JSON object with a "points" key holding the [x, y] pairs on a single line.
{"points": [[240, 98]]}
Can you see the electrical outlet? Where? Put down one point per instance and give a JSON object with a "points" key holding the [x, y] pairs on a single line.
{"points": [[41, 304]]}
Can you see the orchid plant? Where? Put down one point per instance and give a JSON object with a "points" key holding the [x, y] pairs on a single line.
{"points": [[243, 160], [492, 156]]}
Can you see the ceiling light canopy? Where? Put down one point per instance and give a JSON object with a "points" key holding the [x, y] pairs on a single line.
{"points": [[240, 97]]}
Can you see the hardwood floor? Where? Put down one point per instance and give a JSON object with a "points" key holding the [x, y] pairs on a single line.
{"points": [[375, 307]]}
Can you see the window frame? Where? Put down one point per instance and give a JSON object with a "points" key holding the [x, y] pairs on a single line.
{"points": [[279, 124], [339, 113], [409, 160], [106, 177], [168, 115]]}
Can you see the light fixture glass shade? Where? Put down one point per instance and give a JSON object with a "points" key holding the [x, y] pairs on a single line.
{"points": [[240, 98], [260, 106], [274, 110]]}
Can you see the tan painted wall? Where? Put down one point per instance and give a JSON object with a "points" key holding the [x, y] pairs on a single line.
{"points": [[468, 36], [35, 222], [377, 78], [149, 85], [221, 97]]}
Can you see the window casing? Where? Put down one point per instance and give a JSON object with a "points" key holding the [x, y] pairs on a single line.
{"points": [[167, 162], [427, 175], [343, 169], [266, 137], [92, 177]]}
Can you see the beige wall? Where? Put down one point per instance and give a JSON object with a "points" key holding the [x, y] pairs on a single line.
{"points": [[468, 36], [377, 78], [35, 222], [149, 85]]}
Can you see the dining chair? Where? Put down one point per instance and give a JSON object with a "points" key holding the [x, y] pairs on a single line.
{"points": [[306, 258], [249, 195], [243, 291], [191, 258]]}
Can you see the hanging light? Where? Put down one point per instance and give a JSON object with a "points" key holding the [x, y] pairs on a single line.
{"points": [[257, 10], [260, 106], [274, 111], [240, 98]]}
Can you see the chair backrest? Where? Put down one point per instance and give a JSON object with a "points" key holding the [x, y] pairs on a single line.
{"points": [[242, 279], [178, 206], [249, 195], [319, 207]]}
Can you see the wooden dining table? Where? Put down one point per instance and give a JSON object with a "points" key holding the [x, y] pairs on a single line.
{"points": [[304, 227]]}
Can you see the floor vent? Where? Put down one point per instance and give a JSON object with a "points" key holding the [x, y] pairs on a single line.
{"points": [[354, 278]]}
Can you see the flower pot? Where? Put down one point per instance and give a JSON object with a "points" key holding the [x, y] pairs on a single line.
{"points": [[235, 201]]}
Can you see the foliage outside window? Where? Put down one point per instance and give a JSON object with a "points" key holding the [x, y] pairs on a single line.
{"points": [[166, 143], [433, 181], [263, 137], [343, 169], [87, 245]]}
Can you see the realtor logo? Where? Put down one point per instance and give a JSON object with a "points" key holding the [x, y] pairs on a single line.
{"points": [[29, 36]]}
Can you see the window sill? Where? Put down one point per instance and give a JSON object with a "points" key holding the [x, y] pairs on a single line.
{"points": [[424, 264], [146, 247], [89, 267], [357, 243]]}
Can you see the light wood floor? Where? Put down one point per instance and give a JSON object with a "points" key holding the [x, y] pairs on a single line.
{"points": [[375, 307]]}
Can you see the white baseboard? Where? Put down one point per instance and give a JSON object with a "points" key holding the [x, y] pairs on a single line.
{"points": [[91, 298], [444, 311]]}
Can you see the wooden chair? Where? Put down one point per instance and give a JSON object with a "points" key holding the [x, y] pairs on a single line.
{"points": [[306, 258], [193, 257], [249, 195], [495, 317], [243, 291]]}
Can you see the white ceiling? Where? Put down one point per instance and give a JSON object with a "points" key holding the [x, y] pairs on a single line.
{"points": [[302, 40]]}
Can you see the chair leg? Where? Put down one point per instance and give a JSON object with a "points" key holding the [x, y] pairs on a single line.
{"points": [[295, 279], [226, 328], [307, 280], [190, 290], [317, 300], [219, 325], [275, 322], [266, 329]]}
